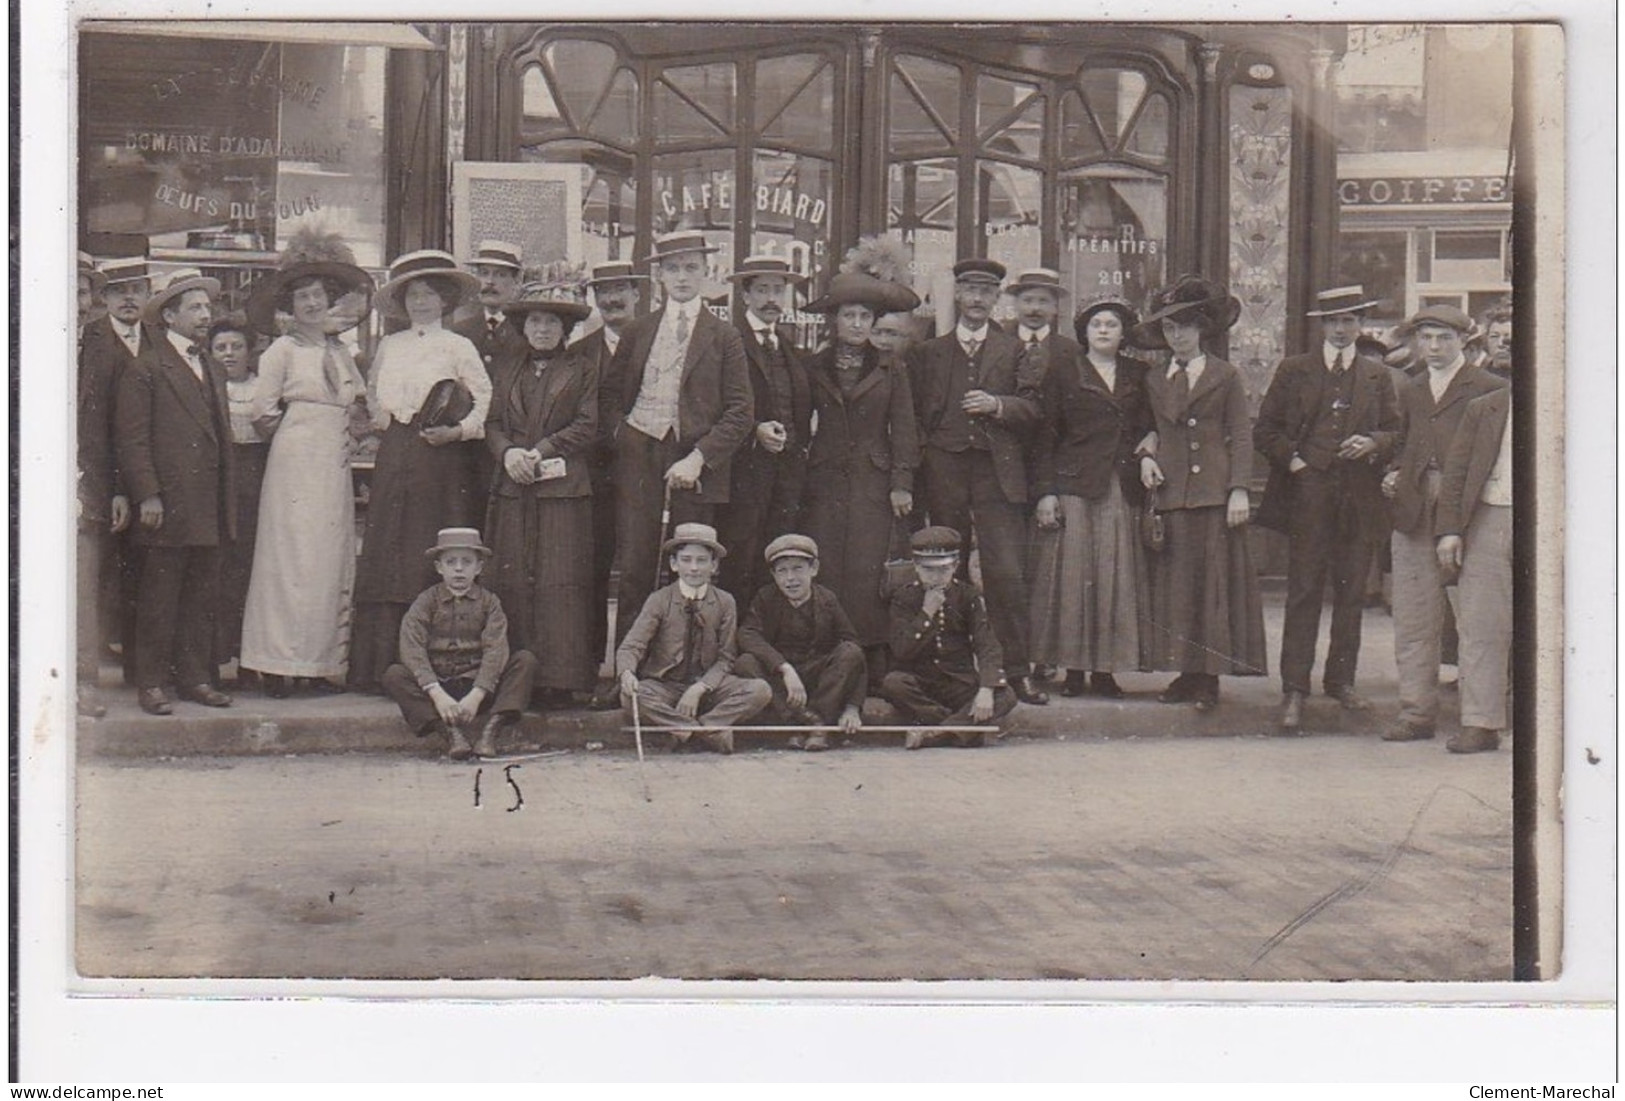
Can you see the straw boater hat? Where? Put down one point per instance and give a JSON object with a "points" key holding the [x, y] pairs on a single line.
{"points": [[124, 269], [753, 266], [615, 271], [497, 254], [458, 539], [565, 300], [703, 534], [978, 270], [181, 281], [88, 269], [1116, 304], [678, 242], [1191, 299], [262, 300], [1341, 300], [416, 265], [934, 544], [1043, 279]]}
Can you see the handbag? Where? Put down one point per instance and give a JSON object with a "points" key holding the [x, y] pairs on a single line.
{"points": [[1153, 531], [899, 568], [447, 403]]}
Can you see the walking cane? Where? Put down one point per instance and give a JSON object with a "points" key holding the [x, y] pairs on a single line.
{"points": [[665, 530], [637, 734]]}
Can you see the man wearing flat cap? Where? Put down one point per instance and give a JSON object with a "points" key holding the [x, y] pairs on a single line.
{"points": [[1328, 426], [1431, 407], [977, 407], [677, 403], [770, 469], [497, 265], [946, 662], [796, 637], [174, 450]]}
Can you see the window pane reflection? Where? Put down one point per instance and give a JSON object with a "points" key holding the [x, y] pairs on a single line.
{"points": [[795, 100], [1114, 224]]}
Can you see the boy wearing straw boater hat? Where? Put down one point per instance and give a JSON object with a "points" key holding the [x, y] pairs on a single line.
{"points": [[497, 266], [770, 469], [617, 288], [675, 664], [1327, 425], [947, 665], [977, 406], [1431, 407], [677, 404], [455, 662], [173, 434], [797, 638]]}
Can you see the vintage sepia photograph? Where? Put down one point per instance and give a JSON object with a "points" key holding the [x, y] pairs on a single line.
{"points": [[796, 507]]}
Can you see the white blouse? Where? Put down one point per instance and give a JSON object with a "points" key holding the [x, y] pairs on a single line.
{"points": [[410, 362]]}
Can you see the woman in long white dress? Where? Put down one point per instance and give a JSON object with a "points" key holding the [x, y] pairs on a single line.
{"points": [[297, 619]]}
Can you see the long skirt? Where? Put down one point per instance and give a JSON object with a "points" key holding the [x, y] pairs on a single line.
{"points": [[851, 520], [417, 489], [297, 618], [542, 571], [237, 565], [1206, 616], [1088, 605]]}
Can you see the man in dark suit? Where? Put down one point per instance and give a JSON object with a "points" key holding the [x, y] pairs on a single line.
{"points": [[677, 404], [497, 265], [108, 345], [770, 469], [616, 290], [1038, 293], [1431, 406], [1328, 424], [174, 450], [977, 406], [1474, 526]]}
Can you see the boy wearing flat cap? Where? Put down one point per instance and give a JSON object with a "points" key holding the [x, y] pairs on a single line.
{"points": [[676, 661], [946, 661], [797, 638], [455, 663]]}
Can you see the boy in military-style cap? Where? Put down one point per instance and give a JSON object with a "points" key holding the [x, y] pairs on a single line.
{"points": [[797, 638], [947, 665]]}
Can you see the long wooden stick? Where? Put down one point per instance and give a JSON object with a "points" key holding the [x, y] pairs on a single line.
{"points": [[637, 731], [814, 729]]}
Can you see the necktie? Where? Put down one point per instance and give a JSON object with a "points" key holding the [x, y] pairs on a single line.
{"points": [[1182, 386], [688, 669], [132, 341], [193, 351], [1032, 342], [491, 324], [972, 346], [1337, 363], [770, 340], [682, 328]]}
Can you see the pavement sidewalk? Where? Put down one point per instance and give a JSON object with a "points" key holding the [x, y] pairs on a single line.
{"points": [[257, 725]]}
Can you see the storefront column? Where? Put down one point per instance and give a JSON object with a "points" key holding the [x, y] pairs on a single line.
{"points": [[415, 130], [1213, 170], [1319, 195]]}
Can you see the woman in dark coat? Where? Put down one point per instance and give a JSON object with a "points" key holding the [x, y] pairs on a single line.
{"points": [[860, 476], [1206, 618], [543, 422], [1089, 604]]}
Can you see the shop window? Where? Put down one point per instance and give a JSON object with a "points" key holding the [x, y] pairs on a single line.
{"points": [[1080, 137], [1468, 245], [580, 69], [922, 207], [924, 106], [695, 103], [795, 101], [540, 106], [1149, 138], [1008, 207], [1114, 224], [1376, 261], [1020, 134]]}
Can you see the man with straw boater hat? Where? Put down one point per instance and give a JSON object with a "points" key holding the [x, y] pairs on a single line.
{"points": [[497, 266], [617, 287], [174, 450], [977, 407], [770, 469], [677, 404], [1328, 425], [1038, 293]]}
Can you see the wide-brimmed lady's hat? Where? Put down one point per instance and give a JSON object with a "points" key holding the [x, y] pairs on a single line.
{"points": [[566, 301], [678, 242], [458, 539], [1118, 305], [262, 304], [180, 281], [858, 288], [1192, 299], [752, 266], [703, 534], [417, 265], [1340, 300]]}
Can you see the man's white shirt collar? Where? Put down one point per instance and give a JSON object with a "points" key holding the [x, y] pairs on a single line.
{"points": [[1034, 334], [1329, 355], [693, 594], [967, 335], [1193, 367]]}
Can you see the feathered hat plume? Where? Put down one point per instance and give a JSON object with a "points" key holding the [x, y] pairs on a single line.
{"points": [[879, 256]]}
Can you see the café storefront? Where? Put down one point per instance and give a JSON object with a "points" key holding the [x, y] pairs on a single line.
{"points": [[1122, 155]]}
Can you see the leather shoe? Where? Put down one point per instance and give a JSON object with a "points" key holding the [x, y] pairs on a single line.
{"points": [[922, 737], [1348, 697], [1105, 686], [1292, 713], [720, 741], [1074, 684], [816, 743], [607, 697], [496, 725], [1407, 732], [154, 702], [459, 749], [1182, 689], [207, 695], [1027, 691], [971, 739], [276, 686], [1474, 739], [89, 708]]}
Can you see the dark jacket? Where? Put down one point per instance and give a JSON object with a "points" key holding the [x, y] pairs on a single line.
{"points": [[495, 347], [564, 423], [958, 643], [1089, 431], [1427, 429], [1287, 416], [102, 359], [762, 629], [1207, 451], [755, 467], [876, 424], [930, 365], [1472, 456], [174, 442], [715, 410]]}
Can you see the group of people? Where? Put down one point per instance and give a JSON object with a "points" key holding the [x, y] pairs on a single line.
{"points": [[1105, 500]]}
